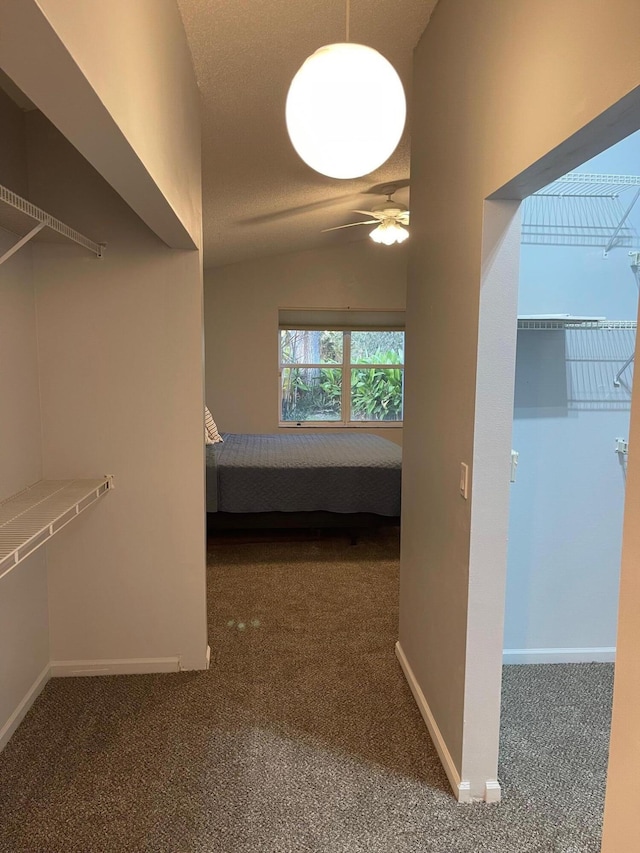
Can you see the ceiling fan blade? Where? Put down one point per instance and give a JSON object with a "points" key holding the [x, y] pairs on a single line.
{"points": [[350, 225], [275, 215]]}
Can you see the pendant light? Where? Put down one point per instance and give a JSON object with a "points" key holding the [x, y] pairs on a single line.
{"points": [[346, 109]]}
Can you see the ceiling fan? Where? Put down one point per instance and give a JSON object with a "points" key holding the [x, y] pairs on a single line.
{"points": [[390, 217]]}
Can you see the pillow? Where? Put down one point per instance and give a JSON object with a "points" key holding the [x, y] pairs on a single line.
{"points": [[210, 428]]}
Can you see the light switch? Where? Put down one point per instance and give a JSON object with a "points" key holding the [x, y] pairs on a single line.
{"points": [[464, 480]]}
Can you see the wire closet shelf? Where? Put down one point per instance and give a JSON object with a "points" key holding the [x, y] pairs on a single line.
{"points": [[590, 210], [31, 517], [26, 221], [546, 324], [583, 209]]}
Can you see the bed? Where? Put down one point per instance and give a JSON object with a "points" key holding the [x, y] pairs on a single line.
{"points": [[335, 479]]}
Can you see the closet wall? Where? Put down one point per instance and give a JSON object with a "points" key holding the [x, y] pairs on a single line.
{"points": [[566, 508], [121, 387], [120, 341], [24, 629]]}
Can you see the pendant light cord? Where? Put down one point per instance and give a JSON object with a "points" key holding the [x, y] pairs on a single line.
{"points": [[347, 38]]}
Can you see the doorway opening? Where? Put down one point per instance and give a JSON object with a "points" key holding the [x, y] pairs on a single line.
{"points": [[577, 318]]}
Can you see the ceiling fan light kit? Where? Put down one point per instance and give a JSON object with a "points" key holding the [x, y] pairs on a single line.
{"points": [[345, 110], [390, 218], [388, 233]]}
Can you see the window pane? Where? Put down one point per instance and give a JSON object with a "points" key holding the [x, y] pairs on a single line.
{"points": [[377, 347], [306, 346], [376, 394], [311, 393]]}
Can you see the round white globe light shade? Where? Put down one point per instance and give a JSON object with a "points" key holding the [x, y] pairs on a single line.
{"points": [[346, 110]]}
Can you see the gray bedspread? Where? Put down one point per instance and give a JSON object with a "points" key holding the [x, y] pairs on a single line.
{"points": [[334, 472]]}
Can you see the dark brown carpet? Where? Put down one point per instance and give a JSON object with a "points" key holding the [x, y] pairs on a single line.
{"points": [[303, 735]]}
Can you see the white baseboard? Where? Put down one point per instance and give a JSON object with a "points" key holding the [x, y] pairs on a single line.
{"points": [[18, 715], [461, 789], [590, 655], [70, 668], [492, 791], [127, 666]]}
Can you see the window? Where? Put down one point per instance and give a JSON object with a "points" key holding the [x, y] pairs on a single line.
{"points": [[341, 376]]}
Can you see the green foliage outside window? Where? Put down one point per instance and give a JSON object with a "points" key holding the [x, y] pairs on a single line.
{"points": [[376, 393], [314, 393]]}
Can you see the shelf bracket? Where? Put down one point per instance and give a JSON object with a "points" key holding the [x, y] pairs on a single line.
{"points": [[635, 270], [515, 458], [616, 381], [622, 446], [17, 246], [624, 218]]}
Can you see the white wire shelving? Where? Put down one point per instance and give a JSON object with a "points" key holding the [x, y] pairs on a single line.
{"points": [[573, 324], [31, 517], [583, 209], [27, 221], [557, 322]]}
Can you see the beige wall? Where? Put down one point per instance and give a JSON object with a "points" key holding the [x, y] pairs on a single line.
{"points": [[621, 830], [496, 87], [120, 340], [117, 79], [24, 629], [120, 344], [241, 320]]}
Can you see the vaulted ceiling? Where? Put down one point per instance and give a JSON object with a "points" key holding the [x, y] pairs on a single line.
{"points": [[259, 198]]}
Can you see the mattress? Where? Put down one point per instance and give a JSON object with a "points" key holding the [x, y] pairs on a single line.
{"points": [[334, 472]]}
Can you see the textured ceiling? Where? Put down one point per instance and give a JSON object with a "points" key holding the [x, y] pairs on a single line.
{"points": [[259, 198]]}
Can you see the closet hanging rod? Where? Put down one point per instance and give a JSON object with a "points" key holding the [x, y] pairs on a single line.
{"points": [[17, 208]]}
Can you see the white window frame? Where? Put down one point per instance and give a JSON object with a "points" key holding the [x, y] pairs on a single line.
{"points": [[346, 366]]}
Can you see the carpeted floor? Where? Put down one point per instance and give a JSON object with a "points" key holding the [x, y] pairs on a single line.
{"points": [[303, 735]]}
